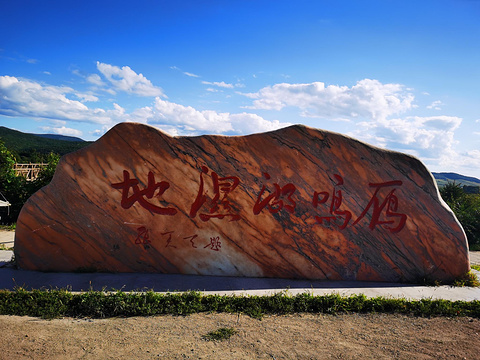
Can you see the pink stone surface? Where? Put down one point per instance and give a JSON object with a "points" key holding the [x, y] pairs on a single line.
{"points": [[292, 203]]}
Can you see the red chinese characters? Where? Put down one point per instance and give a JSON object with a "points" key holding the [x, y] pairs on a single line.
{"points": [[395, 220], [142, 195], [169, 239], [172, 240], [142, 236], [219, 206], [335, 202], [168, 236], [191, 239], [381, 210], [215, 244], [279, 198]]}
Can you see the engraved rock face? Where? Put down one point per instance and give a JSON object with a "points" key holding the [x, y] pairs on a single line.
{"points": [[292, 203]]}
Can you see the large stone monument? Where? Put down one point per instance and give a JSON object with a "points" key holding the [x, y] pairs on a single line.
{"points": [[292, 203]]}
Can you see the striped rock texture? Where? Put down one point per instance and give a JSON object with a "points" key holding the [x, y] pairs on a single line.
{"points": [[292, 203]]}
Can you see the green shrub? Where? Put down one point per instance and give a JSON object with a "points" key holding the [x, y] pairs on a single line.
{"points": [[467, 210], [17, 189], [98, 304], [220, 334]]}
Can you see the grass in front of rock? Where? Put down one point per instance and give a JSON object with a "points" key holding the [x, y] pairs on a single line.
{"points": [[99, 304], [3, 247], [8, 227], [219, 334], [469, 279]]}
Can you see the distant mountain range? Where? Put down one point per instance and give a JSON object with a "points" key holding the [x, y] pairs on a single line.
{"points": [[29, 147], [446, 177], [60, 137]]}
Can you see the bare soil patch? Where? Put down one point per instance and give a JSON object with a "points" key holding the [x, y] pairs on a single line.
{"points": [[301, 336]]}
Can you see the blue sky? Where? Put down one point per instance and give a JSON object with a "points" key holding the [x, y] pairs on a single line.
{"points": [[402, 75]]}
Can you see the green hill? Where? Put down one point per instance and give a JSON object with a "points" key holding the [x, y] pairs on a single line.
{"points": [[34, 148], [445, 177], [60, 137]]}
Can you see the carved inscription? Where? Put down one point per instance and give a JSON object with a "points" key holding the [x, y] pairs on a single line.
{"points": [[139, 195], [219, 206], [383, 205], [171, 240], [278, 198], [335, 199]]}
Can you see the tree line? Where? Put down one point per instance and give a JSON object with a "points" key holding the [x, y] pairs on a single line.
{"points": [[28, 148], [467, 210], [16, 189]]}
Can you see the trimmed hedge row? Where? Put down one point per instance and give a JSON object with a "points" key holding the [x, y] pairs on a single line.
{"points": [[97, 304]]}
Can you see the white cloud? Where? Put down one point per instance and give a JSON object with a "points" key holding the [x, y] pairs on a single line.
{"points": [[185, 72], [26, 98], [170, 130], [57, 123], [47, 73], [471, 158], [427, 137], [188, 120], [246, 123], [435, 105], [102, 131], [190, 74], [85, 97], [62, 131], [30, 99], [125, 79], [368, 99], [77, 72], [371, 107], [95, 79], [466, 163], [221, 84]]}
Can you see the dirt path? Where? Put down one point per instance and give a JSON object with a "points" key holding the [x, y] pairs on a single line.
{"points": [[273, 337]]}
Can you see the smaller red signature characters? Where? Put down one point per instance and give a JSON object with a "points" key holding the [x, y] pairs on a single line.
{"points": [[279, 198], [140, 195], [219, 206], [142, 236], [389, 205], [169, 239], [215, 244], [191, 239], [335, 203]]}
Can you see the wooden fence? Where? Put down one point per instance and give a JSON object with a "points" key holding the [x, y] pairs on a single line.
{"points": [[29, 171]]}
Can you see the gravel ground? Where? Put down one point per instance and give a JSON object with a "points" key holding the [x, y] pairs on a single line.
{"points": [[302, 336]]}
